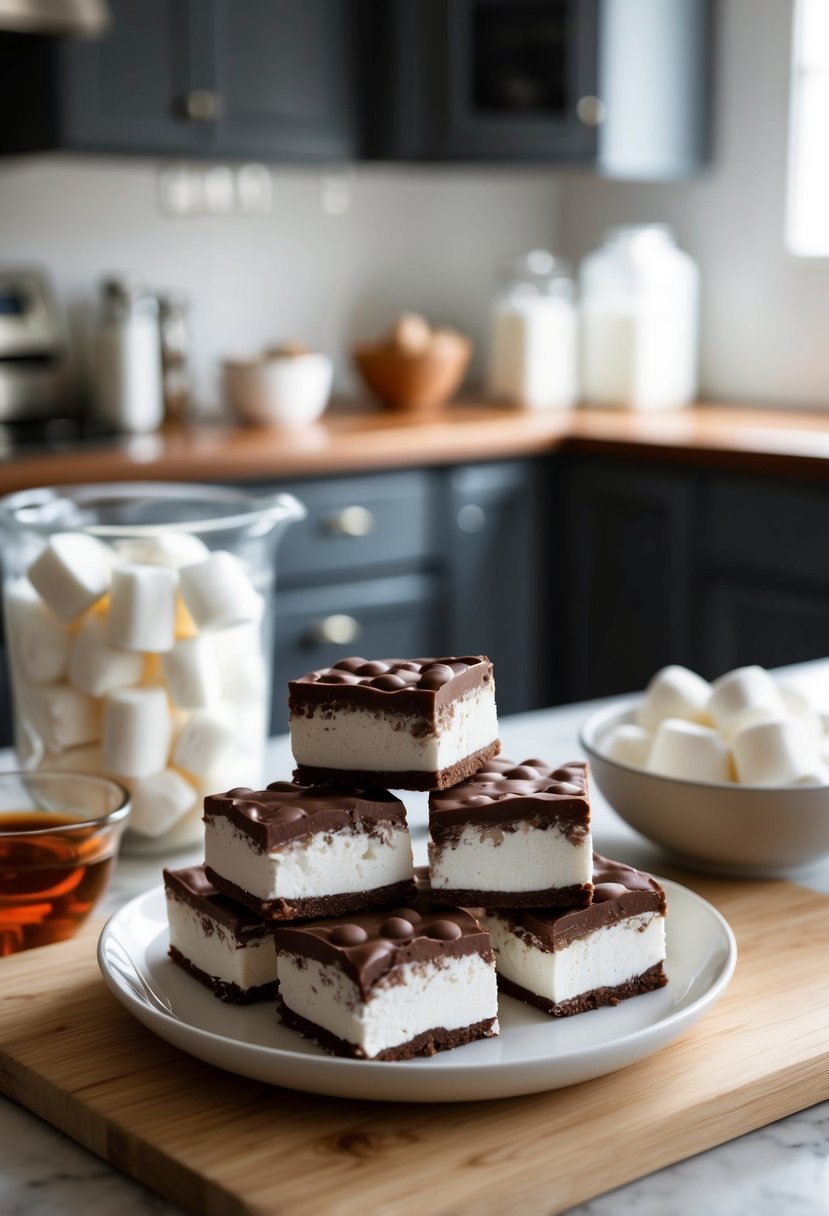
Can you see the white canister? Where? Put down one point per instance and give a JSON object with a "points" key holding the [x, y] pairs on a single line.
{"points": [[533, 355], [128, 384], [639, 303]]}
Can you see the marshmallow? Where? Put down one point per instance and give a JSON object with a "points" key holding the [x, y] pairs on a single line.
{"points": [[801, 711], [98, 668], [38, 640], [159, 802], [240, 663], [174, 549], [137, 732], [71, 573], [218, 592], [63, 716], [690, 751], [142, 614], [76, 760], [207, 745], [745, 688], [776, 753], [629, 744], [192, 674], [674, 692]]}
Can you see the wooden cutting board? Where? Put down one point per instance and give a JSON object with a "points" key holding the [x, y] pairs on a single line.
{"points": [[220, 1144]]}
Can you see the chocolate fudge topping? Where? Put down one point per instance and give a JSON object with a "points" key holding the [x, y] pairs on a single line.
{"points": [[366, 945], [414, 687], [619, 891], [192, 886], [285, 811], [505, 792]]}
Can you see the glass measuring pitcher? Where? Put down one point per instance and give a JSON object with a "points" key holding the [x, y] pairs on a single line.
{"points": [[139, 623]]}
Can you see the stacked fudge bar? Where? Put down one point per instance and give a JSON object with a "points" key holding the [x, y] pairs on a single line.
{"points": [[321, 868]]}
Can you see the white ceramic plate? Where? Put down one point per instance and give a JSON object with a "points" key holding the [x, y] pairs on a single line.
{"points": [[532, 1053]]}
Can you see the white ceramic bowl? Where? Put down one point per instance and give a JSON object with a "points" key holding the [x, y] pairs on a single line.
{"points": [[747, 831], [288, 390]]}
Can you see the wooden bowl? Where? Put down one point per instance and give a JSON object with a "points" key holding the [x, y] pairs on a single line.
{"points": [[418, 382]]}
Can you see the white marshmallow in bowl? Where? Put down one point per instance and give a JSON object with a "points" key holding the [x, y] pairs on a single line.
{"points": [[689, 751], [674, 692], [96, 667], [776, 753], [192, 674], [142, 612], [175, 549], [218, 593], [37, 639], [746, 688], [628, 743], [288, 390], [137, 732], [801, 711], [160, 801]]}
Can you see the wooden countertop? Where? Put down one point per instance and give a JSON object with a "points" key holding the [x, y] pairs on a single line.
{"points": [[777, 441]]}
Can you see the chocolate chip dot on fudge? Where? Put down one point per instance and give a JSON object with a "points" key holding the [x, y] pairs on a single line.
{"points": [[292, 851], [513, 835], [389, 985], [415, 724]]}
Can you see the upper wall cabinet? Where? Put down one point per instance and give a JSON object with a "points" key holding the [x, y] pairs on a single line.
{"points": [[617, 85], [272, 79]]}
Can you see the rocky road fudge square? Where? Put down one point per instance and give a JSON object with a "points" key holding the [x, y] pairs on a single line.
{"points": [[292, 851], [567, 960], [389, 985], [513, 835], [415, 724], [225, 947]]}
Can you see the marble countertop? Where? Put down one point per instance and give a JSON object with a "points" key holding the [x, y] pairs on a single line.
{"points": [[780, 1170]]}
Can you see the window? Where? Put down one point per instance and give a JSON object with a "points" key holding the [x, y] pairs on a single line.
{"points": [[807, 212]]}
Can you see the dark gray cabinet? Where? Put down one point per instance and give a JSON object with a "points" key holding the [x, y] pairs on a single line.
{"points": [[590, 82], [272, 79], [671, 565]]}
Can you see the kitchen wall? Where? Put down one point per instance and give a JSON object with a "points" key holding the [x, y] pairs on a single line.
{"points": [[764, 313], [413, 238]]}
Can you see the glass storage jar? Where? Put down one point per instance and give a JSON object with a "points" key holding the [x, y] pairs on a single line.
{"points": [[533, 355], [139, 622], [638, 308]]}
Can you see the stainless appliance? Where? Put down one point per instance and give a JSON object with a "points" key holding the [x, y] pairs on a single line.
{"points": [[33, 372]]}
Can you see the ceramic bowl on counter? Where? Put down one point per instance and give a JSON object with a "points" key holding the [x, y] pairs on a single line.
{"points": [[726, 828], [288, 389]]}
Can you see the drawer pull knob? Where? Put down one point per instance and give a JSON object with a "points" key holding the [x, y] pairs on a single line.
{"points": [[201, 105], [338, 630], [351, 521], [471, 518]]}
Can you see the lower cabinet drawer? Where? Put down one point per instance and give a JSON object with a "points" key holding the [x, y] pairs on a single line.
{"points": [[378, 618]]}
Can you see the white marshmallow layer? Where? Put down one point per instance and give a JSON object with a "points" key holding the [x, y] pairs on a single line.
{"points": [[450, 993], [310, 866], [366, 739], [218, 954], [487, 858], [605, 958]]}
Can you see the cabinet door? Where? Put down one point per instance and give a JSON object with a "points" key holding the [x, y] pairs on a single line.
{"points": [[487, 79], [494, 577], [128, 90], [745, 622], [625, 582], [286, 79], [381, 617]]}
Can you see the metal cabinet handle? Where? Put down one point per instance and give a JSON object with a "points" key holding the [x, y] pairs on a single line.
{"points": [[351, 521], [471, 517], [202, 105], [591, 111], [338, 629]]}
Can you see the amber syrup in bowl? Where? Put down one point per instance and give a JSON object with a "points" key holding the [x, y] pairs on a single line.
{"points": [[56, 858]]}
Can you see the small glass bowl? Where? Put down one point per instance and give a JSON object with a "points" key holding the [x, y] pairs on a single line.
{"points": [[59, 838]]}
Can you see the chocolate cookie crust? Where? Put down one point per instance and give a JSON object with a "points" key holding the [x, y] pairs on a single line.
{"points": [[314, 906], [224, 990], [426, 1044]]}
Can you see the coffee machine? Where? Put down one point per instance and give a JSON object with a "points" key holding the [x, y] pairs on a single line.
{"points": [[33, 348]]}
